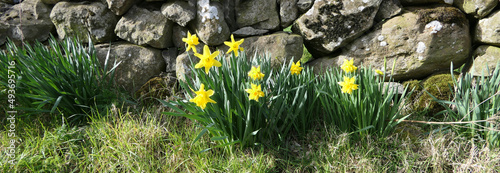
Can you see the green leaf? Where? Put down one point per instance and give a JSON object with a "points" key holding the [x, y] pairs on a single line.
{"points": [[218, 138], [56, 104]]}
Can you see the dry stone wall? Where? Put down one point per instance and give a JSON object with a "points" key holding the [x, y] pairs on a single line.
{"points": [[421, 37]]}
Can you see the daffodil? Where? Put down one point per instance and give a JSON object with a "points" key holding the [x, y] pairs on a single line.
{"points": [[255, 92], [207, 60], [379, 72], [203, 97], [348, 66], [191, 41], [234, 45], [348, 85], [296, 69], [255, 73]]}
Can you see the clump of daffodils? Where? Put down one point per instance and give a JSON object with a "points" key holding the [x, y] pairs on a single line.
{"points": [[244, 93]]}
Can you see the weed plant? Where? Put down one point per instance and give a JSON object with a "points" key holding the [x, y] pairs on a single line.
{"points": [[64, 77], [476, 103]]}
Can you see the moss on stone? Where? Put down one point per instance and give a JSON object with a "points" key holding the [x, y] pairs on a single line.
{"points": [[437, 85], [447, 15], [156, 88]]}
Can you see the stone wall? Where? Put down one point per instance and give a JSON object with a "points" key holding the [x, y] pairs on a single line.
{"points": [[421, 37]]}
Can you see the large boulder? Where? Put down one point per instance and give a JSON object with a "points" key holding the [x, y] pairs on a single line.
{"points": [[420, 42], [260, 14], [145, 27], [488, 29], [476, 8], [179, 11], [120, 7], [485, 58], [282, 47], [331, 24], [288, 12], [84, 19], [26, 21], [209, 24], [138, 64]]}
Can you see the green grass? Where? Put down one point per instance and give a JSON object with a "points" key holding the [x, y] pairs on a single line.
{"points": [[137, 140]]}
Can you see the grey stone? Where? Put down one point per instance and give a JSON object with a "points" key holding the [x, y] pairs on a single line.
{"points": [[138, 64], [27, 21], [120, 7], [418, 44], [179, 11], [476, 8], [388, 9], [488, 29], [304, 5], [396, 86], [282, 47], [142, 26], [485, 60], [179, 32], [260, 14], [230, 13], [209, 24], [331, 24], [84, 19], [249, 31], [170, 56], [288, 12]]}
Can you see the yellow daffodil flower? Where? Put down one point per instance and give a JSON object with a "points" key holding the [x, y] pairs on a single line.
{"points": [[255, 92], [207, 60], [202, 97], [191, 41], [379, 72], [348, 66], [348, 85], [296, 69], [255, 73], [234, 45]]}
